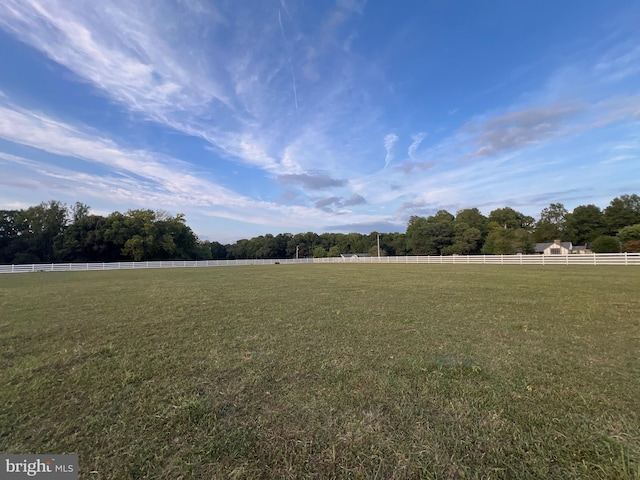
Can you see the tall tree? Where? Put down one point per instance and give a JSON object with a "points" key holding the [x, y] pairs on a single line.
{"points": [[552, 223], [509, 232], [9, 235], [42, 226], [473, 218], [396, 243], [84, 241], [218, 251], [507, 217], [622, 212], [585, 224], [432, 235], [319, 252], [508, 241], [630, 238], [466, 240], [150, 235]]}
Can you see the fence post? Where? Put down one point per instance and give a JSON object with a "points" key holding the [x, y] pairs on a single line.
{"points": [[626, 261], [501, 259], [595, 259]]}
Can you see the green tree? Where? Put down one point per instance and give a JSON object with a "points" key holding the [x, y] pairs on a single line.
{"points": [[605, 244], [373, 251], [79, 210], [430, 236], [621, 212], [319, 252], [509, 218], [395, 243], [466, 241], [630, 238], [629, 233], [9, 235], [42, 227], [552, 223], [472, 218], [84, 241], [508, 241], [585, 224], [150, 235], [218, 251]]}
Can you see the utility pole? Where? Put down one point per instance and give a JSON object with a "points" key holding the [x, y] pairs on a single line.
{"points": [[378, 246], [297, 248]]}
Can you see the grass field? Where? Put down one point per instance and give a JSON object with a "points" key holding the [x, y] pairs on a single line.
{"points": [[326, 371]]}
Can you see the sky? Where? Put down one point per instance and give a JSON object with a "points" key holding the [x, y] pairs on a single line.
{"points": [[284, 116]]}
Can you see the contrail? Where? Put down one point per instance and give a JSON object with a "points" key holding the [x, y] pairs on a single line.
{"points": [[293, 75], [281, 28], [284, 5], [295, 91]]}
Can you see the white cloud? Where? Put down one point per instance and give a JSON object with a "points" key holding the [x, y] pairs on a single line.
{"points": [[389, 141], [136, 176], [294, 102], [417, 140], [116, 48], [190, 68], [352, 5]]}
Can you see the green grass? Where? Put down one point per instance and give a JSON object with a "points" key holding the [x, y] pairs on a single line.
{"points": [[326, 371]]}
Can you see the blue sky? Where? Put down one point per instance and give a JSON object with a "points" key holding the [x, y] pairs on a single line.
{"points": [[273, 116]]}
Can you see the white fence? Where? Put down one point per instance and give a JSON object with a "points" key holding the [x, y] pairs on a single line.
{"points": [[592, 259]]}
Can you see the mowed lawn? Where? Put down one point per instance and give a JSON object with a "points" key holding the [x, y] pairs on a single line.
{"points": [[326, 371]]}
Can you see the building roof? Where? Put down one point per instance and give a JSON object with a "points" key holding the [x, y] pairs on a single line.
{"points": [[541, 247]]}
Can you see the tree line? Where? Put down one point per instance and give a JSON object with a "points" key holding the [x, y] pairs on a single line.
{"points": [[56, 232]]}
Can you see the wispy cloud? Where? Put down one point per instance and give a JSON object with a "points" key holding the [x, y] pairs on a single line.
{"points": [[353, 5], [384, 225], [521, 128], [417, 140], [284, 118], [410, 167], [118, 50], [622, 62], [353, 200], [139, 176], [233, 93], [334, 204], [390, 140], [312, 181]]}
